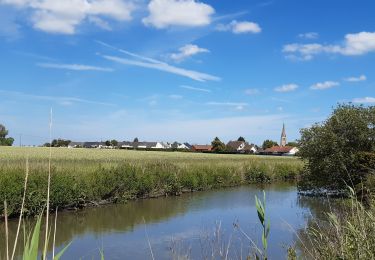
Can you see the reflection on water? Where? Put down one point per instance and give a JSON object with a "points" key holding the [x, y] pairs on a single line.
{"points": [[120, 230]]}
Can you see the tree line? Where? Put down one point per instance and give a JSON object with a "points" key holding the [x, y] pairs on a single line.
{"points": [[4, 140]]}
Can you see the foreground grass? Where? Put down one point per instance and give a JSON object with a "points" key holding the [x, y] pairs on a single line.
{"points": [[90, 176], [347, 234]]}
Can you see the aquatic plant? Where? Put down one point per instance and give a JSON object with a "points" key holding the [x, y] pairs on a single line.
{"points": [[261, 210]]}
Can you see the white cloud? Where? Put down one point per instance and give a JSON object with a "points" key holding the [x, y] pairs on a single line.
{"points": [[251, 91], [354, 44], [286, 88], [100, 23], [364, 100], [236, 105], [58, 99], [309, 35], [187, 51], [239, 27], [188, 13], [63, 17], [78, 67], [175, 96], [195, 89], [324, 85], [356, 79]]}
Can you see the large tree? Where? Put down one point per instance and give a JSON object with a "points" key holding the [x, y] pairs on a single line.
{"points": [[217, 145], [341, 150], [4, 140], [268, 144], [241, 139], [294, 144]]}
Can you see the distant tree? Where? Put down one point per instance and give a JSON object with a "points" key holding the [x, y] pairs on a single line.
{"points": [[294, 144], [217, 145], [114, 142], [59, 143], [54, 143], [3, 131], [340, 151], [4, 140], [268, 144], [107, 143], [241, 139], [136, 140]]}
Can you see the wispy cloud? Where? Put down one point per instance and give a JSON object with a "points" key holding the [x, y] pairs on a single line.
{"points": [[150, 63], [195, 75], [131, 54], [251, 91], [364, 100], [58, 99], [77, 67], [309, 35], [324, 85], [353, 45], [195, 89], [187, 51], [236, 105], [175, 96], [286, 88], [356, 79], [34, 55]]}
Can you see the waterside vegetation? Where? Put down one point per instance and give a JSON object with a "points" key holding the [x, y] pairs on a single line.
{"points": [[81, 177]]}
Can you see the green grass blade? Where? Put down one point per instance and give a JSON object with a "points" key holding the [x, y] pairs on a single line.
{"points": [[31, 249], [60, 254]]}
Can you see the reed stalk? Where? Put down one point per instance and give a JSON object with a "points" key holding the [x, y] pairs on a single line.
{"points": [[54, 236], [22, 208], [6, 229], [48, 187]]}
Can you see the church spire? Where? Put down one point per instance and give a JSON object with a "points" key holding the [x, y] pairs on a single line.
{"points": [[283, 137]]}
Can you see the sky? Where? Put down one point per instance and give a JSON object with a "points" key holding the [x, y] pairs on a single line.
{"points": [[181, 70]]}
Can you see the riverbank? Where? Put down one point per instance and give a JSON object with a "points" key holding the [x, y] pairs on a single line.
{"points": [[82, 177]]}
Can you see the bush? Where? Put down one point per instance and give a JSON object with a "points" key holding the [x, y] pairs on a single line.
{"points": [[335, 151]]}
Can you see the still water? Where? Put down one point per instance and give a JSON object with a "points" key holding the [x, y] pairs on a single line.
{"points": [[193, 224]]}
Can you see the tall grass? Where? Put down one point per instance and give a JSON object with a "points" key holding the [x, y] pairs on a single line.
{"points": [[345, 235], [84, 177], [32, 240]]}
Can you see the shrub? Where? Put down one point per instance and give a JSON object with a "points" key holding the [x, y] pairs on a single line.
{"points": [[334, 150]]}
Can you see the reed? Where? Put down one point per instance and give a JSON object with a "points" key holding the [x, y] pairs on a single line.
{"points": [[83, 177], [345, 235]]}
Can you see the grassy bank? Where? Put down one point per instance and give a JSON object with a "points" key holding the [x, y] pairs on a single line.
{"points": [[90, 176]]}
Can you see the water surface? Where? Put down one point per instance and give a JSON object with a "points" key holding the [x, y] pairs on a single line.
{"points": [[185, 225]]}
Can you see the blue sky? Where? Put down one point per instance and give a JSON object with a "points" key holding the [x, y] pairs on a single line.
{"points": [[181, 70]]}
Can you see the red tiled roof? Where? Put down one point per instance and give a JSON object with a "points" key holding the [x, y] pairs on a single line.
{"points": [[279, 149]]}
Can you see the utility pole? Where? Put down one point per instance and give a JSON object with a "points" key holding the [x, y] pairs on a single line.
{"points": [[20, 140]]}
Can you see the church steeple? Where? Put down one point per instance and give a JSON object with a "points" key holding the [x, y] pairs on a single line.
{"points": [[283, 137]]}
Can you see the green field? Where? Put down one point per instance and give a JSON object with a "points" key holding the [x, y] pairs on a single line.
{"points": [[88, 176]]}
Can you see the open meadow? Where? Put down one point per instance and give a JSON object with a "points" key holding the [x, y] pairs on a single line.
{"points": [[82, 177]]}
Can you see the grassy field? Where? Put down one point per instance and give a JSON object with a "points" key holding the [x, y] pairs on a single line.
{"points": [[89, 176]]}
